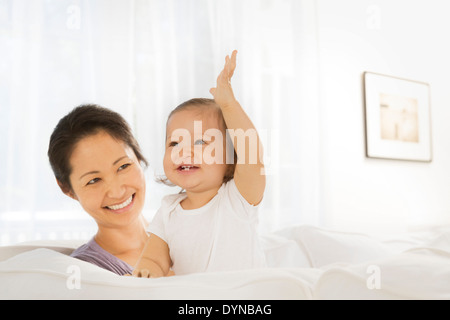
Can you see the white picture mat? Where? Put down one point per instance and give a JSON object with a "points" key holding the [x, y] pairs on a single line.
{"points": [[375, 85]]}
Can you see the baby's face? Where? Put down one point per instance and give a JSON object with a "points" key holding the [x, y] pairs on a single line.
{"points": [[195, 157]]}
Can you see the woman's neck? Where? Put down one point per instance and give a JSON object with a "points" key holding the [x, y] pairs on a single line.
{"points": [[125, 243]]}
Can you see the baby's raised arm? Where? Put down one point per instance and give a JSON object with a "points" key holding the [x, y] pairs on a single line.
{"points": [[155, 259], [249, 174]]}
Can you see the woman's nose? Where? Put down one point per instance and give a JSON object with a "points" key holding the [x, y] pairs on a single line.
{"points": [[116, 189]]}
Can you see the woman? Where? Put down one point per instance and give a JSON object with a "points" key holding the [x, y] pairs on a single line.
{"points": [[97, 162]]}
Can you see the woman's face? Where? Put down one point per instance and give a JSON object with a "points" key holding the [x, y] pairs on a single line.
{"points": [[108, 180]]}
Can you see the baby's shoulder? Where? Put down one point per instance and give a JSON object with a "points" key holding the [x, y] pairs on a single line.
{"points": [[172, 200]]}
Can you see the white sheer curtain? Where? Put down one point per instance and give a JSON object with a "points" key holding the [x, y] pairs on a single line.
{"points": [[142, 58]]}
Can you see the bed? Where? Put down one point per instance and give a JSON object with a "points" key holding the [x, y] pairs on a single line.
{"points": [[305, 263]]}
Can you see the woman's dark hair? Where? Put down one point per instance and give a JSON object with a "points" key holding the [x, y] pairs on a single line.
{"points": [[81, 122], [209, 105]]}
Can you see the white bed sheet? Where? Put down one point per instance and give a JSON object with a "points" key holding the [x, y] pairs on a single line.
{"points": [[305, 262]]}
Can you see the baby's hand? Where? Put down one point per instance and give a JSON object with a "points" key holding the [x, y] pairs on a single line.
{"points": [[142, 273], [171, 273], [223, 93]]}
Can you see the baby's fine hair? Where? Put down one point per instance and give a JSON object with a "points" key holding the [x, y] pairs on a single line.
{"points": [[201, 104]]}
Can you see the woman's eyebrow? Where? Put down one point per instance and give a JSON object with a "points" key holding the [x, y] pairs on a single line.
{"points": [[97, 172], [88, 173], [120, 159]]}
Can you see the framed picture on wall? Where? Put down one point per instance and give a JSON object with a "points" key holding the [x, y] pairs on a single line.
{"points": [[398, 118]]}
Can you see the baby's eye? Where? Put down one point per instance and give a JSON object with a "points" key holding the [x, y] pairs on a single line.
{"points": [[93, 181], [173, 144], [199, 142]]}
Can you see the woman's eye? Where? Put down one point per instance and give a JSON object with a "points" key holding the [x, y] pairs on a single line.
{"points": [[173, 144], [93, 181], [124, 166], [199, 142]]}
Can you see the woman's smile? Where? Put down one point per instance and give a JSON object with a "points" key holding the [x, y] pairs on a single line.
{"points": [[122, 207]]}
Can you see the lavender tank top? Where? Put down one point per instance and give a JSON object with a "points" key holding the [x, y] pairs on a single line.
{"points": [[91, 252]]}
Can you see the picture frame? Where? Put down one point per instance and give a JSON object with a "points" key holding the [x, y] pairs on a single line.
{"points": [[397, 118]]}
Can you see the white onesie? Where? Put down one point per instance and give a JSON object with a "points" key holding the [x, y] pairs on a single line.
{"points": [[220, 236]]}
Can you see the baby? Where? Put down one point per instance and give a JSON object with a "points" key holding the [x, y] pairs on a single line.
{"points": [[212, 225]]}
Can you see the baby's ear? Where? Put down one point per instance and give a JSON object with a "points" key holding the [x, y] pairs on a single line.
{"points": [[66, 190]]}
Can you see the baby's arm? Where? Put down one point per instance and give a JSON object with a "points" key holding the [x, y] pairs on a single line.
{"points": [[155, 260], [249, 175]]}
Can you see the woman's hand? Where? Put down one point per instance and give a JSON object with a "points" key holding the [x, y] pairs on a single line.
{"points": [[223, 93]]}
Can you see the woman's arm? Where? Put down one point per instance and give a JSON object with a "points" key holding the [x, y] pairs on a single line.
{"points": [[249, 174], [155, 259]]}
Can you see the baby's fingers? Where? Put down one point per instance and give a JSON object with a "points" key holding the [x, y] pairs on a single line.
{"points": [[142, 273], [232, 64], [223, 78]]}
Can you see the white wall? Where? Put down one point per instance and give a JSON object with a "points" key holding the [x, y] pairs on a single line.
{"points": [[404, 38]]}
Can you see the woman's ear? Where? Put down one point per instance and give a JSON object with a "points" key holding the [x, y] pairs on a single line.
{"points": [[66, 190]]}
